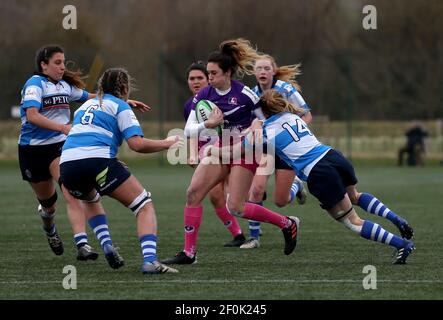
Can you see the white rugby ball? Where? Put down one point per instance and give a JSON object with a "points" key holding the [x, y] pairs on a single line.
{"points": [[203, 109]]}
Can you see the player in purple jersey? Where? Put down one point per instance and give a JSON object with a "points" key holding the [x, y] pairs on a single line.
{"points": [[287, 185], [197, 76], [235, 104]]}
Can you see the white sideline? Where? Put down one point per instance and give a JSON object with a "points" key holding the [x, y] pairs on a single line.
{"points": [[294, 281]]}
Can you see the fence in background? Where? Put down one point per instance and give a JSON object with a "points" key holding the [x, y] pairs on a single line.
{"points": [[368, 140]]}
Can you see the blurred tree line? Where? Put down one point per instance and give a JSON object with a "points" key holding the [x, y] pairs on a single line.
{"points": [[393, 72]]}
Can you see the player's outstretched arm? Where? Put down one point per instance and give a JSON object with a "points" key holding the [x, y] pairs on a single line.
{"points": [[140, 106], [143, 145]]}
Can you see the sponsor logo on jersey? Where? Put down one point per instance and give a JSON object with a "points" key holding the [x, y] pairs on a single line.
{"points": [[31, 93], [59, 101]]}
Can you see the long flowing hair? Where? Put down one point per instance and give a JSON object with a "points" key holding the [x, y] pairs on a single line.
{"points": [[272, 102], [236, 55]]}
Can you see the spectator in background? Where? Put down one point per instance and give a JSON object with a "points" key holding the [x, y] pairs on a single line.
{"points": [[415, 145]]}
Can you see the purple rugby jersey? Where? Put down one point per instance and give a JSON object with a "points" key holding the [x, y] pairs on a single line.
{"points": [[236, 105], [187, 108]]}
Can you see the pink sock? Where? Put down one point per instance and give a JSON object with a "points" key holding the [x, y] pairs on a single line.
{"points": [[255, 212], [228, 220], [192, 220]]}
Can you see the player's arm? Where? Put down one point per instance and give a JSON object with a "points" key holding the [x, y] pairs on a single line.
{"points": [[34, 117], [133, 134], [143, 145], [140, 106]]}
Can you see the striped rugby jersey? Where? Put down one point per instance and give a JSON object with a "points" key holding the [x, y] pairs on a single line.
{"points": [[288, 91], [294, 142], [52, 101], [98, 130]]}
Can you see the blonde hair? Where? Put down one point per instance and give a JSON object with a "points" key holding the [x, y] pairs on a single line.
{"points": [[273, 102], [115, 81], [236, 55], [285, 73]]}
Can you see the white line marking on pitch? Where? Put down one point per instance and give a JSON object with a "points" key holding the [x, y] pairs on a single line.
{"points": [[294, 281]]}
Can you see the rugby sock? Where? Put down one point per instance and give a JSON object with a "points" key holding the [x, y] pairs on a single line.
{"points": [[371, 204], [80, 239], [230, 222], [253, 211], [254, 229], [100, 227], [192, 221], [254, 226], [50, 231], [148, 243], [294, 189], [48, 221], [373, 231]]}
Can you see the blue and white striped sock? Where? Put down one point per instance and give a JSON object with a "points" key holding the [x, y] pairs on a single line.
{"points": [[80, 239], [373, 231], [371, 204], [294, 189], [51, 231], [100, 227], [254, 229], [148, 243]]}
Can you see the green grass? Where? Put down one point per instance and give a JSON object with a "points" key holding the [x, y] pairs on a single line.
{"points": [[327, 263]]}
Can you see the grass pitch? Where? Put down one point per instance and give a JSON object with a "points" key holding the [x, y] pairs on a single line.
{"points": [[327, 264]]}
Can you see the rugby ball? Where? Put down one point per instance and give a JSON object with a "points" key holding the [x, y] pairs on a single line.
{"points": [[203, 109]]}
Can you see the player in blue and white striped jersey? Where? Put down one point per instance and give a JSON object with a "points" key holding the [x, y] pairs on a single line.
{"points": [[329, 175], [89, 166], [287, 185], [45, 117]]}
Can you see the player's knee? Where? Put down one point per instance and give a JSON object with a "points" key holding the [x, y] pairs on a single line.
{"points": [[354, 196], [281, 201], [234, 210], [50, 202], [191, 196], [257, 193], [93, 198], [352, 221], [217, 199], [140, 202]]}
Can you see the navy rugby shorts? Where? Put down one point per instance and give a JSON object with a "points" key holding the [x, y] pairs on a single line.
{"points": [[35, 160], [329, 178], [80, 177]]}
